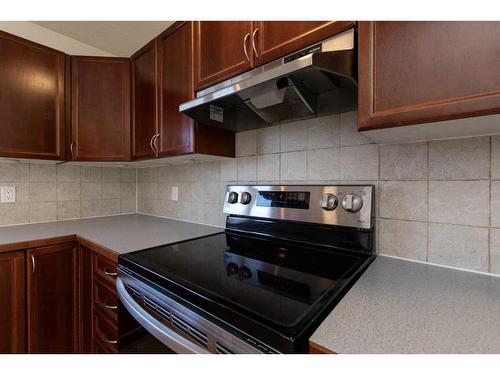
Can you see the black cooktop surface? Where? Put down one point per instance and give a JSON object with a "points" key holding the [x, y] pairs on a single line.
{"points": [[276, 281]]}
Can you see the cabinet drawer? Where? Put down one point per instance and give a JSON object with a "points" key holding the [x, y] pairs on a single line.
{"points": [[105, 300], [105, 269], [99, 348], [105, 332]]}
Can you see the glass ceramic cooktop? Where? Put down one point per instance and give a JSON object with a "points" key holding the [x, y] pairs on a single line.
{"points": [[275, 280]]}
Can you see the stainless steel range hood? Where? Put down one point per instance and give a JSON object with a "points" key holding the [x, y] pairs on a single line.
{"points": [[316, 81]]}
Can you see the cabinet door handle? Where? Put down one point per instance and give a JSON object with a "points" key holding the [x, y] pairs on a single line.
{"points": [[155, 142], [109, 273], [108, 306], [71, 149], [253, 43], [33, 264], [151, 143], [245, 39], [108, 340]]}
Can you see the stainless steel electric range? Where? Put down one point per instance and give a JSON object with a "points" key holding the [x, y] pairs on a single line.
{"points": [[286, 257]]}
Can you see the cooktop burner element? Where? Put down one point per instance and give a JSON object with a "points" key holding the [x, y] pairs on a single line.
{"points": [[287, 256]]}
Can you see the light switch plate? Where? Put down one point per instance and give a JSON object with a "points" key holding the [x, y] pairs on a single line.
{"points": [[175, 193], [7, 194]]}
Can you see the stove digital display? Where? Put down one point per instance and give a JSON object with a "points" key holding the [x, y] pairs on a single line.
{"points": [[285, 199]]}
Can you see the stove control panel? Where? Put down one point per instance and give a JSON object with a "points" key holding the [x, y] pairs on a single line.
{"points": [[343, 205]]}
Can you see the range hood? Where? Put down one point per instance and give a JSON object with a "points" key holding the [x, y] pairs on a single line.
{"points": [[316, 81]]}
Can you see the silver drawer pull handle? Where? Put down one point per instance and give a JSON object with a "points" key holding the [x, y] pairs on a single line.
{"points": [[109, 273], [33, 264], [253, 43], [108, 341], [111, 307]]}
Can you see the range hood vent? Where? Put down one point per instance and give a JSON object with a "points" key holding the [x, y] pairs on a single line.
{"points": [[316, 81]]}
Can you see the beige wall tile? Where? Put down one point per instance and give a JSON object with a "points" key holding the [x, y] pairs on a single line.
{"points": [[293, 136], [294, 166], [68, 173], [495, 203], [68, 191], [228, 170], [127, 174], [460, 159], [90, 208], [495, 157], [42, 173], [268, 140], [91, 174], [403, 162], [268, 167], [110, 174], [404, 200], [323, 132], [127, 190], [495, 251], [22, 191], [43, 192], [46, 211], [459, 246], [349, 134], [323, 164], [14, 172], [111, 190], [247, 168], [90, 190], [405, 239], [111, 206], [212, 214], [359, 162], [459, 202], [68, 210], [14, 213], [246, 143], [147, 174], [127, 206]]}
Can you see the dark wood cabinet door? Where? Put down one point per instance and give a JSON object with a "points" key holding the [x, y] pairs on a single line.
{"points": [[275, 39], [219, 50], [145, 87], [100, 106], [31, 99], [12, 303], [418, 72], [175, 128], [85, 299], [52, 299]]}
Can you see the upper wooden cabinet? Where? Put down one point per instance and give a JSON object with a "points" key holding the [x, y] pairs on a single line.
{"points": [[52, 299], [145, 87], [100, 108], [162, 79], [222, 50], [12, 303], [31, 99], [274, 39], [176, 130], [418, 72]]}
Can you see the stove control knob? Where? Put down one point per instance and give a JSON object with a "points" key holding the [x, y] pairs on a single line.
{"points": [[232, 197], [352, 203], [329, 202], [245, 272], [245, 198], [232, 269]]}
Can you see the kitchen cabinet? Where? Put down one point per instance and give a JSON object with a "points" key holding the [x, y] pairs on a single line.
{"points": [[223, 49], [12, 305], [31, 99], [419, 72], [52, 299], [100, 109], [145, 86], [162, 79], [318, 349], [275, 39]]}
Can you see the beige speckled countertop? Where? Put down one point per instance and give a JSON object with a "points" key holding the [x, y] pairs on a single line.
{"points": [[400, 306], [120, 234]]}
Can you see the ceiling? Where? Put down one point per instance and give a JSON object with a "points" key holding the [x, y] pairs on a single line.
{"points": [[120, 38]]}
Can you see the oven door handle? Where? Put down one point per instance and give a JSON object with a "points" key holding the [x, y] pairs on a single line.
{"points": [[166, 335]]}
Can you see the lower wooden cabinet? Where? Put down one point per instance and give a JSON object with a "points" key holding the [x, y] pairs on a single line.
{"points": [[52, 291], [12, 303]]}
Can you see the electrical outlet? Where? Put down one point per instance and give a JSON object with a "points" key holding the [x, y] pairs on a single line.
{"points": [[8, 194], [175, 193]]}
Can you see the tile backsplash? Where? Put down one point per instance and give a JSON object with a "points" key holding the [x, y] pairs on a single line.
{"points": [[49, 192], [436, 201]]}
